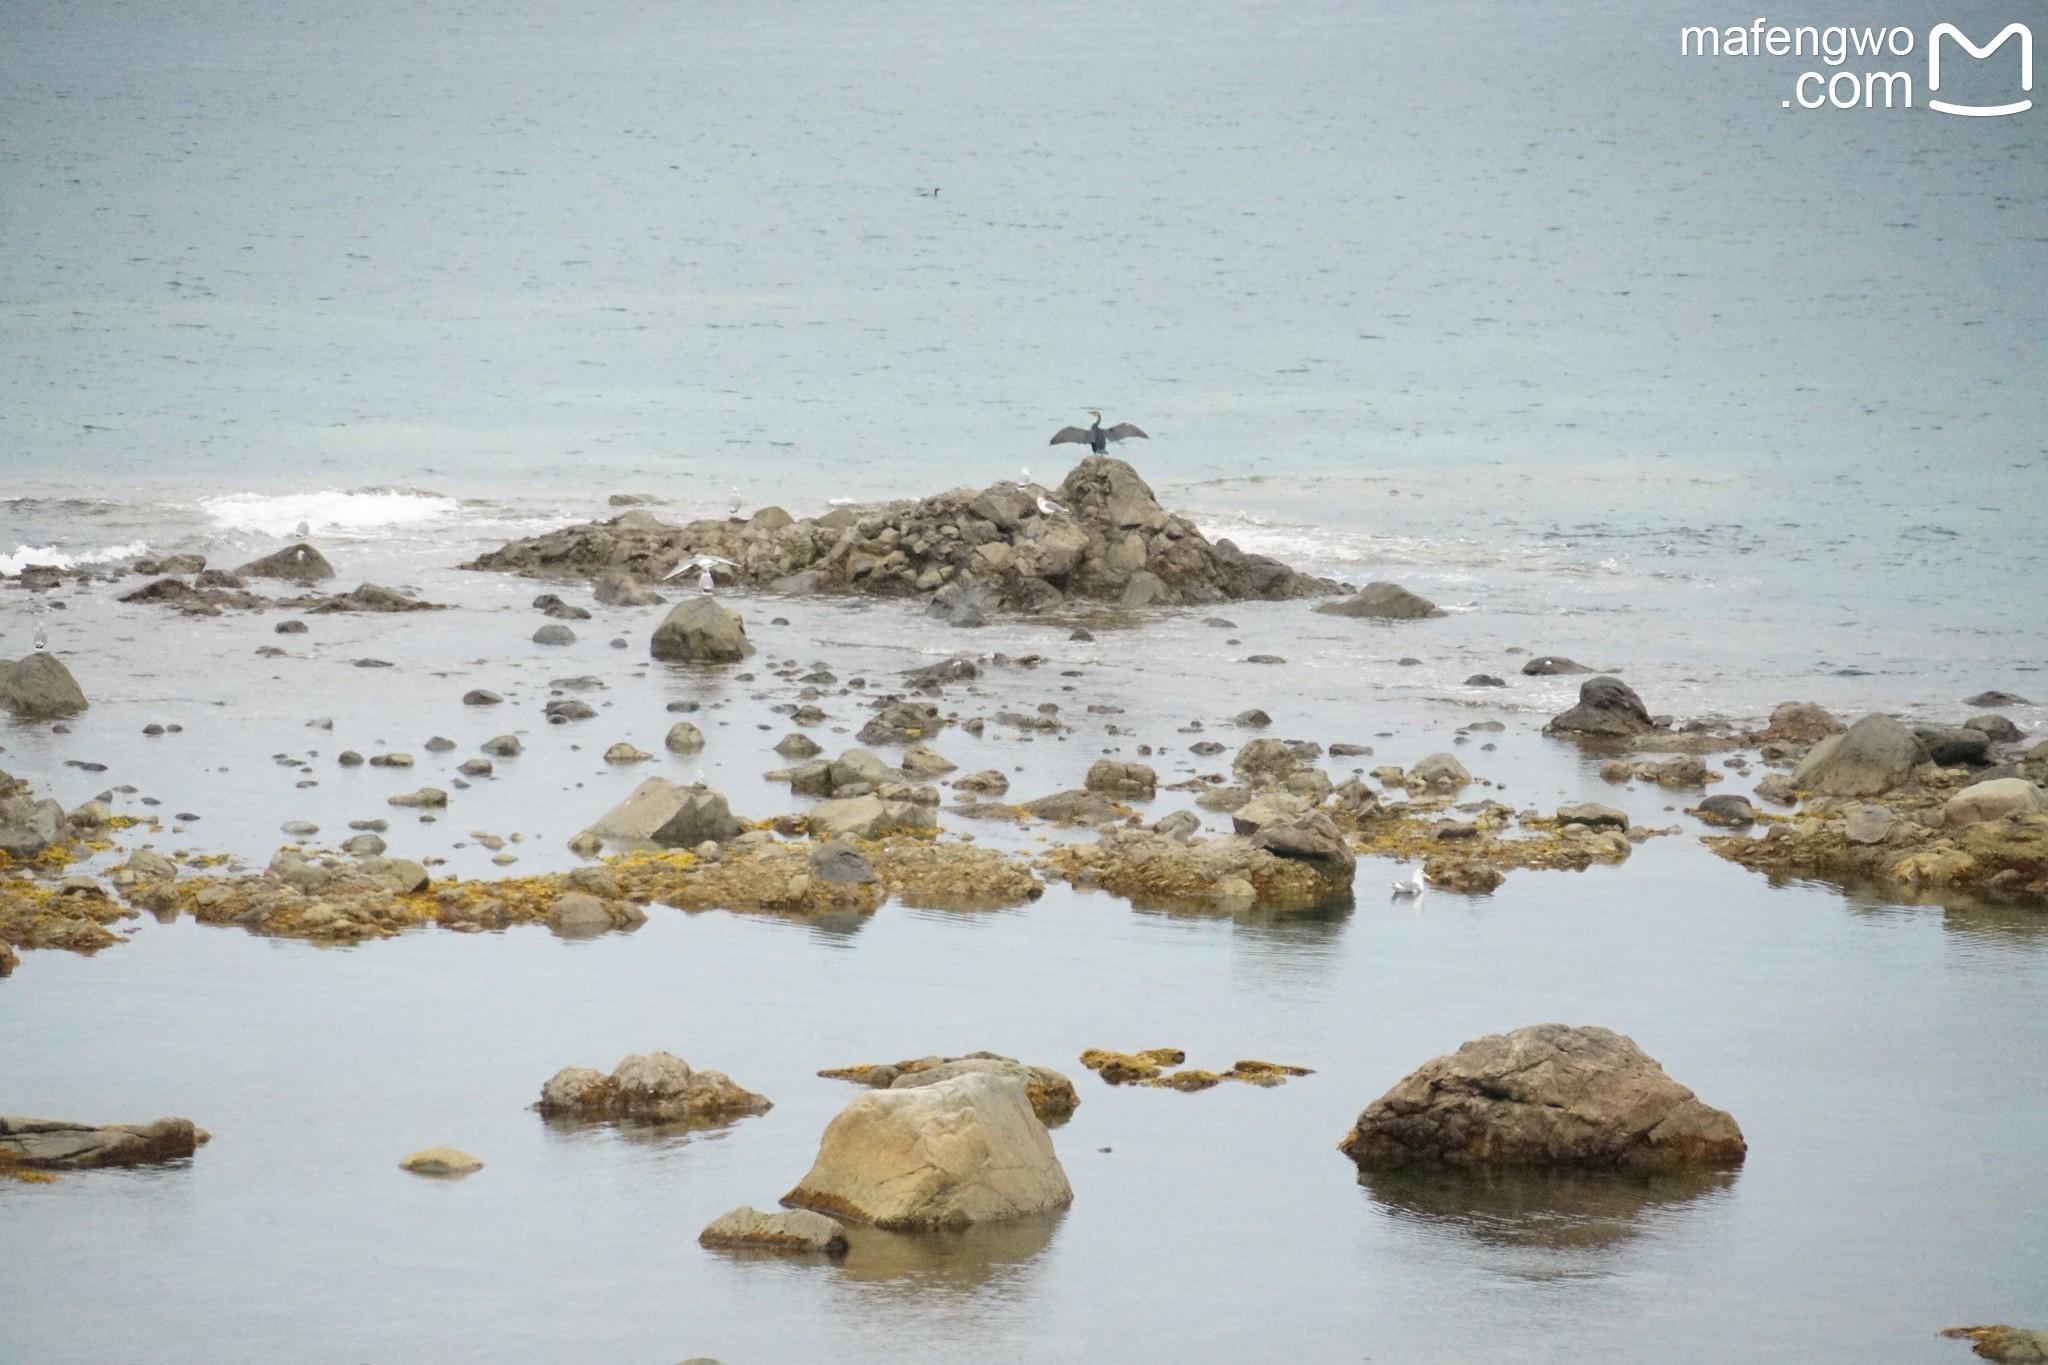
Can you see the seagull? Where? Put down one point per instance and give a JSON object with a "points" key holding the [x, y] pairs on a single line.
{"points": [[1411, 889], [1024, 477], [1049, 507], [42, 638], [303, 531], [735, 510], [702, 563], [1096, 437]]}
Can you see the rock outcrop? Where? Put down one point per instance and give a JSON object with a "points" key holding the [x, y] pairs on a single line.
{"points": [[2009, 1345], [1545, 1096], [986, 548], [651, 1087], [949, 1155], [56, 1144]]}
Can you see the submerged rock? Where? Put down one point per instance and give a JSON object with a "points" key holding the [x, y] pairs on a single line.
{"points": [[299, 563], [947, 1155], [1383, 602], [1547, 1095], [1552, 665], [441, 1161]]}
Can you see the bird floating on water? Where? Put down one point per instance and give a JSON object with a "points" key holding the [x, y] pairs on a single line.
{"points": [[1411, 889], [1096, 437], [702, 564]]}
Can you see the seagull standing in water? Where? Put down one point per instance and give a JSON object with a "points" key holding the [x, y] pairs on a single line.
{"points": [[1096, 437], [702, 563]]}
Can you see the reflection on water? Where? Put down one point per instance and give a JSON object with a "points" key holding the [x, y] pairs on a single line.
{"points": [[711, 1128], [992, 1255], [1543, 1223], [2012, 922]]}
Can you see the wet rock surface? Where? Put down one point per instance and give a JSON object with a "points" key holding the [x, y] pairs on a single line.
{"points": [[40, 687], [1545, 1096], [1383, 602], [1608, 708], [787, 1232]]}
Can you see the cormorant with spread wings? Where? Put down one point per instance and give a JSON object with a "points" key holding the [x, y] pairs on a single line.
{"points": [[1095, 437]]}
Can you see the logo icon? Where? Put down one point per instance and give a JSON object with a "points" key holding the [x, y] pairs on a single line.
{"points": [[2026, 38]]}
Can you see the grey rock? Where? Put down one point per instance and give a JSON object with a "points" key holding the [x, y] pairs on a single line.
{"points": [[565, 709], [1592, 816], [1729, 810], [1607, 707], [1383, 601], [1998, 729], [798, 745], [554, 634], [617, 588], [40, 687], [1950, 745], [683, 738], [1871, 757], [701, 631], [299, 563], [1126, 781], [479, 696], [57, 1144], [1552, 665], [1995, 698], [840, 865], [1869, 825], [503, 746]]}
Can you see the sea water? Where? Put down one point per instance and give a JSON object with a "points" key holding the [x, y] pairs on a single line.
{"points": [[1605, 349]]}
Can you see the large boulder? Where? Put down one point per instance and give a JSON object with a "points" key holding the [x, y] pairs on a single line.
{"points": [[947, 1155], [669, 816], [1993, 800], [299, 563], [866, 817], [1545, 1096], [701, 631], [1383, 602], [1871, 757], [61, 1145], [1608, 707], [40, 687], [651, 1087]]}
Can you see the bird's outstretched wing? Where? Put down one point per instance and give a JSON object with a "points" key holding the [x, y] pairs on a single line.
{"points": [[1072, 436], [693, 565], [1123, 429]]}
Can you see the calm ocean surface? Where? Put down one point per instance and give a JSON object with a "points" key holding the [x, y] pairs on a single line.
{"points": [[1602, 348]]}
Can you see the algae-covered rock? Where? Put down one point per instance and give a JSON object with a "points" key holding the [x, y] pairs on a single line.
{"points": [[653, 1087]]}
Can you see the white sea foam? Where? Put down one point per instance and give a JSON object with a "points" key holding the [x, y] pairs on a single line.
{"points": [[364, 512], [25, 555]]}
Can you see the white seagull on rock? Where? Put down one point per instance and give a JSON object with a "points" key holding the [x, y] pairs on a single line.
{"points": [[702, 564]]}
